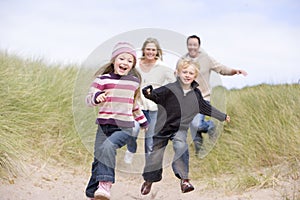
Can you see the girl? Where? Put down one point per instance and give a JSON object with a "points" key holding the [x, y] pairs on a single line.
{"points": [[115, 91], [178, 103]]}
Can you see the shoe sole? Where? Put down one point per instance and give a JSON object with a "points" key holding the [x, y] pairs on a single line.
{"points": [[101, 197], [188, 190]]}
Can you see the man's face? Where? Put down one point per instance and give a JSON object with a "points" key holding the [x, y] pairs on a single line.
{"points": [[193, 47]]}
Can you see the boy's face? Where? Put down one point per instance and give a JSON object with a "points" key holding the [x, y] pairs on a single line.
{"points": [[187, 75]]}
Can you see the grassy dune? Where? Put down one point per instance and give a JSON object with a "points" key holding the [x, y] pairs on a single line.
{"points": [[36, 122], [36, 119], [264, 133]]}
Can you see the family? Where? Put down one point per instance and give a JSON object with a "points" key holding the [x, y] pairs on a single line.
{"points": [[144, 93]]}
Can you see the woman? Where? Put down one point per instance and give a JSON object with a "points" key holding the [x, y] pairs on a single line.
{"points": [[153, 72]]}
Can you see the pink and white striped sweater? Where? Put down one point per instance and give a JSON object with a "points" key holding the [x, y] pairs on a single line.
{"points": [[120, 108]]}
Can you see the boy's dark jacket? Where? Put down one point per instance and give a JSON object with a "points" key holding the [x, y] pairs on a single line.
{"points": [[176, 110]]}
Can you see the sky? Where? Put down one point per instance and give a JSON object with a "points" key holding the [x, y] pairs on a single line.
{"points": [[260, 37]]}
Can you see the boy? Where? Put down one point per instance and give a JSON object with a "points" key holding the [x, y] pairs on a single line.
{"points": [[178, 103]]}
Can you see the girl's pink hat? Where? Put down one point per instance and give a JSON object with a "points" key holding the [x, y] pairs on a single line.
{"points": [[123, 47]]}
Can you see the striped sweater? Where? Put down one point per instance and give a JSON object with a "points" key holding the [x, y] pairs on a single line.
{"points": [[119, 108]]}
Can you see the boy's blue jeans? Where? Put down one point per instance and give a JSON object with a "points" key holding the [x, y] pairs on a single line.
{"points": [[108, 139], [132, 144], [180, 164]]}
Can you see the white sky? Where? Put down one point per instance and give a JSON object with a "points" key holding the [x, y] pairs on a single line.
{"points": [[261, 37]]}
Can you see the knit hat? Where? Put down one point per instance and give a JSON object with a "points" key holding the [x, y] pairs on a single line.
{"points": [[123, 47]]}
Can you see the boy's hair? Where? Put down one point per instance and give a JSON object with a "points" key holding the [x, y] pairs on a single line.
{"points": [[154, 41], [185, 62]]}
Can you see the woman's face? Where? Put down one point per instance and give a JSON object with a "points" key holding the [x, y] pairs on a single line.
{"points": [[123, 64], [150, 51]]}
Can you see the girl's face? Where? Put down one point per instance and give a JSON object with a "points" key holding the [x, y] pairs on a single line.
{"points": [[123, 64], [193, 47], [187, 75], [150, 51]]}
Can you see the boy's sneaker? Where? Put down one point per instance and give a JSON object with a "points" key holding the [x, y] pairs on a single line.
{"points": [[128, 157], [103, 191], [146, 188], [186, 186]]}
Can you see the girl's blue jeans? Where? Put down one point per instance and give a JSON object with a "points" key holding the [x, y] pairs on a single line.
{"points": [[109, 138]]}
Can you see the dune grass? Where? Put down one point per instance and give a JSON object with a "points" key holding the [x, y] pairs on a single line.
{"points": [[37, 122], [264, 133], [36, 119]]}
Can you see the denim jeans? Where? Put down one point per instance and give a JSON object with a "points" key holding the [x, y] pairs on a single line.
{"points": [[132, 144], [199, 126], [180, 164], [108, 139]]}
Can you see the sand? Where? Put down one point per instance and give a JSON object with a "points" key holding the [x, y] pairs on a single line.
{"points": [[54, 181]]}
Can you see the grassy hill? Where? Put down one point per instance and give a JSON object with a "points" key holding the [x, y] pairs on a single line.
{"points": [[262, 143], [36, 122]]}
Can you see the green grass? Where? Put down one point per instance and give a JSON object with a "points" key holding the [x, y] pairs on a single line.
{"points": [[264, 132], [37, 122]]}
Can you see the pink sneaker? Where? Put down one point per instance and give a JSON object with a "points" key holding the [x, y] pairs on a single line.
{"points": [[103, 191]]}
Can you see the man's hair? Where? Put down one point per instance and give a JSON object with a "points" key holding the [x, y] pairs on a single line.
{"points": [[194, 36]]}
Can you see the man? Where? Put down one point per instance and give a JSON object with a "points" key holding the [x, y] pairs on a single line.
{"points": [[207, 64]]}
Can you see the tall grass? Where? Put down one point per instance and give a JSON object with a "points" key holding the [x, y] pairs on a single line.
{"points": [[264, 132], [36, 119]]}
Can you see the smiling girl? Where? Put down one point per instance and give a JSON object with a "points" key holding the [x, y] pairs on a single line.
{"points": [[115, 91]]}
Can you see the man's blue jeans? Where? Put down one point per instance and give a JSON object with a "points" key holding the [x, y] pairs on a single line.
{"points": [[108, 139], [199, 126]]}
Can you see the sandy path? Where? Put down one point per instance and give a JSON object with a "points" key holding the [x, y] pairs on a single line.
{"points": [[55, 182]]}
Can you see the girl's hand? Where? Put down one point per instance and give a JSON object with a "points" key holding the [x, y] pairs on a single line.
{"points": [[227, 118], [101, 97]]}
